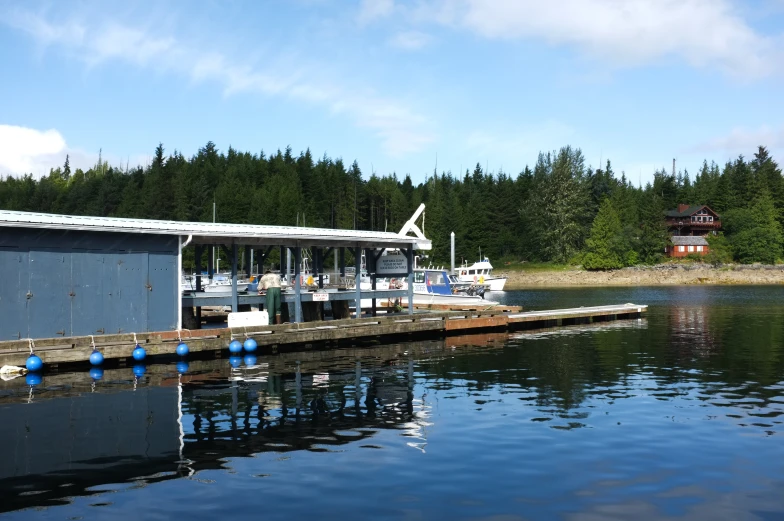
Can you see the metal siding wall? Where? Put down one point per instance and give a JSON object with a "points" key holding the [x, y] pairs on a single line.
{"points": [[85, 283], [132, 297], [15, 277], [87, 313], [163, 281], [50, 285]]}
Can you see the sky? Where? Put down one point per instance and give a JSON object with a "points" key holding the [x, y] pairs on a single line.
{"points": [[402, 86]]}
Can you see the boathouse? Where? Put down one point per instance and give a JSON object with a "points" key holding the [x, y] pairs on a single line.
{"points": [[77, 275], [683, 245]]}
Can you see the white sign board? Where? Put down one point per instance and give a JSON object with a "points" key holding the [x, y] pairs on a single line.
{"points": [[320, 296], [392, 265], [248, 319]]}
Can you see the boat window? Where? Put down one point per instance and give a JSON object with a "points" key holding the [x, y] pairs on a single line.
{"points": [[471, 272], [419, 276], [435, 278]]}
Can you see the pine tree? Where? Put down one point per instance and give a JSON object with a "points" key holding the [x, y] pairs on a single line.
{"points": [[653, 230], [606, 247], [67, 168]]}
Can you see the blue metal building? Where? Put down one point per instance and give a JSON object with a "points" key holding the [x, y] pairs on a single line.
{"points": [[72, 283], [74, 276]]}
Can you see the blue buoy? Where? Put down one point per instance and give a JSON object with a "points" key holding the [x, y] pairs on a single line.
{"points": [[235, 361], [182, 367], [34, 363], [33, 378], [235, 347], [96, 358], [96, 373], [139, 370], [249, 360], [250, 345], [139, 353], [182, 349]]}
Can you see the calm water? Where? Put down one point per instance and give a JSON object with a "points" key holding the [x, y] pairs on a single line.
{"points": [[676, 416]]}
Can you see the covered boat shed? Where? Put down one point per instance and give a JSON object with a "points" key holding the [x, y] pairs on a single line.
{"points": [[78, 275]]}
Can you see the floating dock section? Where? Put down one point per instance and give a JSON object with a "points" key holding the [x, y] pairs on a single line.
{"points": [[304, 336]]}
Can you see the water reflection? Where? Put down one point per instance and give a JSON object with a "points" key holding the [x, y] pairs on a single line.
{"points": [[662, 417]]}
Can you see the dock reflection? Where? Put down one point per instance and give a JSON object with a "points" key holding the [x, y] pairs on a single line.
{"points": [[72, 435]]}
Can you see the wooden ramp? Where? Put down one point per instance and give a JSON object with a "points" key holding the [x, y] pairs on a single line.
{"points": [[304, 336]]}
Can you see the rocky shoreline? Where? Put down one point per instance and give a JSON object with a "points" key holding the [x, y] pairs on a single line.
{"points": [[661, 275]]}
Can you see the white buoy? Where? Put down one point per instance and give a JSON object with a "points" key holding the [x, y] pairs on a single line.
{"points": [[9, 372]]}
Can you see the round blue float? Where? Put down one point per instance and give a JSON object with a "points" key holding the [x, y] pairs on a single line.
{"points": [[34, 363], [33, 378], [235, 361], [96, 358], [235, 346], [249, 360], [182, 367], [139, 370], [182, 349], [250, 345], [139, 353], [96, 373]]}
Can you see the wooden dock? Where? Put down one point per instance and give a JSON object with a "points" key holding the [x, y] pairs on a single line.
{"points": [[309, 335]]}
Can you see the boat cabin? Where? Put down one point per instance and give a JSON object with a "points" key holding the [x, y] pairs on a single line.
{"points": [[436, 282]]}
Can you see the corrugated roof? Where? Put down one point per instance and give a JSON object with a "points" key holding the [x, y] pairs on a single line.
{"points": [[209, 233], [689, 240]]}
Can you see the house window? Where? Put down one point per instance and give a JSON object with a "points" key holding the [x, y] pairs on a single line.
{"points": [[699, 248], [710, 218], [681, 248], [691, 248]]}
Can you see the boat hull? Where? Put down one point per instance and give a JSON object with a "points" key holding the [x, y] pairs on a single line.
{"points": [[495, 283]]}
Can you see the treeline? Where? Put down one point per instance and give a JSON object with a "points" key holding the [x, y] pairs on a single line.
{"points": [[561, 210]]}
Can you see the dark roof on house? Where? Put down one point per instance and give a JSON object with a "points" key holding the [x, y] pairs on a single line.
{"points": [[689, 240], [691, 210], [685, 213]]}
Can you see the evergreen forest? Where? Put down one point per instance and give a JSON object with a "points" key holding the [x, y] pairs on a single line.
{"points": [[558, 210]]}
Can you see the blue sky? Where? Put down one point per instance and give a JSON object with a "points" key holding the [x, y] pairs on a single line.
{"points": [[394, 84]]}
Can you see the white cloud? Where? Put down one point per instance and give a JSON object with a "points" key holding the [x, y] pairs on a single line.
{"points": [[26, 150], [371, 10], [744, 141], [705, 33], [410, 40], [399, 127]]}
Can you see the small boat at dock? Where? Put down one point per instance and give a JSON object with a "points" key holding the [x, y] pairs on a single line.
{"points": [[481, 273]]}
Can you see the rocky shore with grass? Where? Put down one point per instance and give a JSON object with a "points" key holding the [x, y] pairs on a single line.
{"points": [[659, 275]]}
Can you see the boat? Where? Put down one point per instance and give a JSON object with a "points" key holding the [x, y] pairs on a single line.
{"points": [[220, 283], [480, 273], [435, 286]]}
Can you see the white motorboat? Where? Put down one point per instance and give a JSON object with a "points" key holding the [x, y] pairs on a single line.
{"points": [[220, 283], [480, 273], [435, 286]]}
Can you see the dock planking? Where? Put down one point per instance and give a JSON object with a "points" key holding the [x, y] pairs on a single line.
{"points": [[304, 336]]}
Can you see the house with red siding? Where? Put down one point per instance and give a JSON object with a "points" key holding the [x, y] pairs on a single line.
{"points": [[692, 220], [688, 226], [683, 245]]}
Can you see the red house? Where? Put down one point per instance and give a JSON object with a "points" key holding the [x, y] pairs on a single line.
{"points": [[683, 245], [692, 220], [688, 226]]}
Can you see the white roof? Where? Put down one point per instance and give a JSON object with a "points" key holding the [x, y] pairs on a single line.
{"points": [[218, 233]]}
